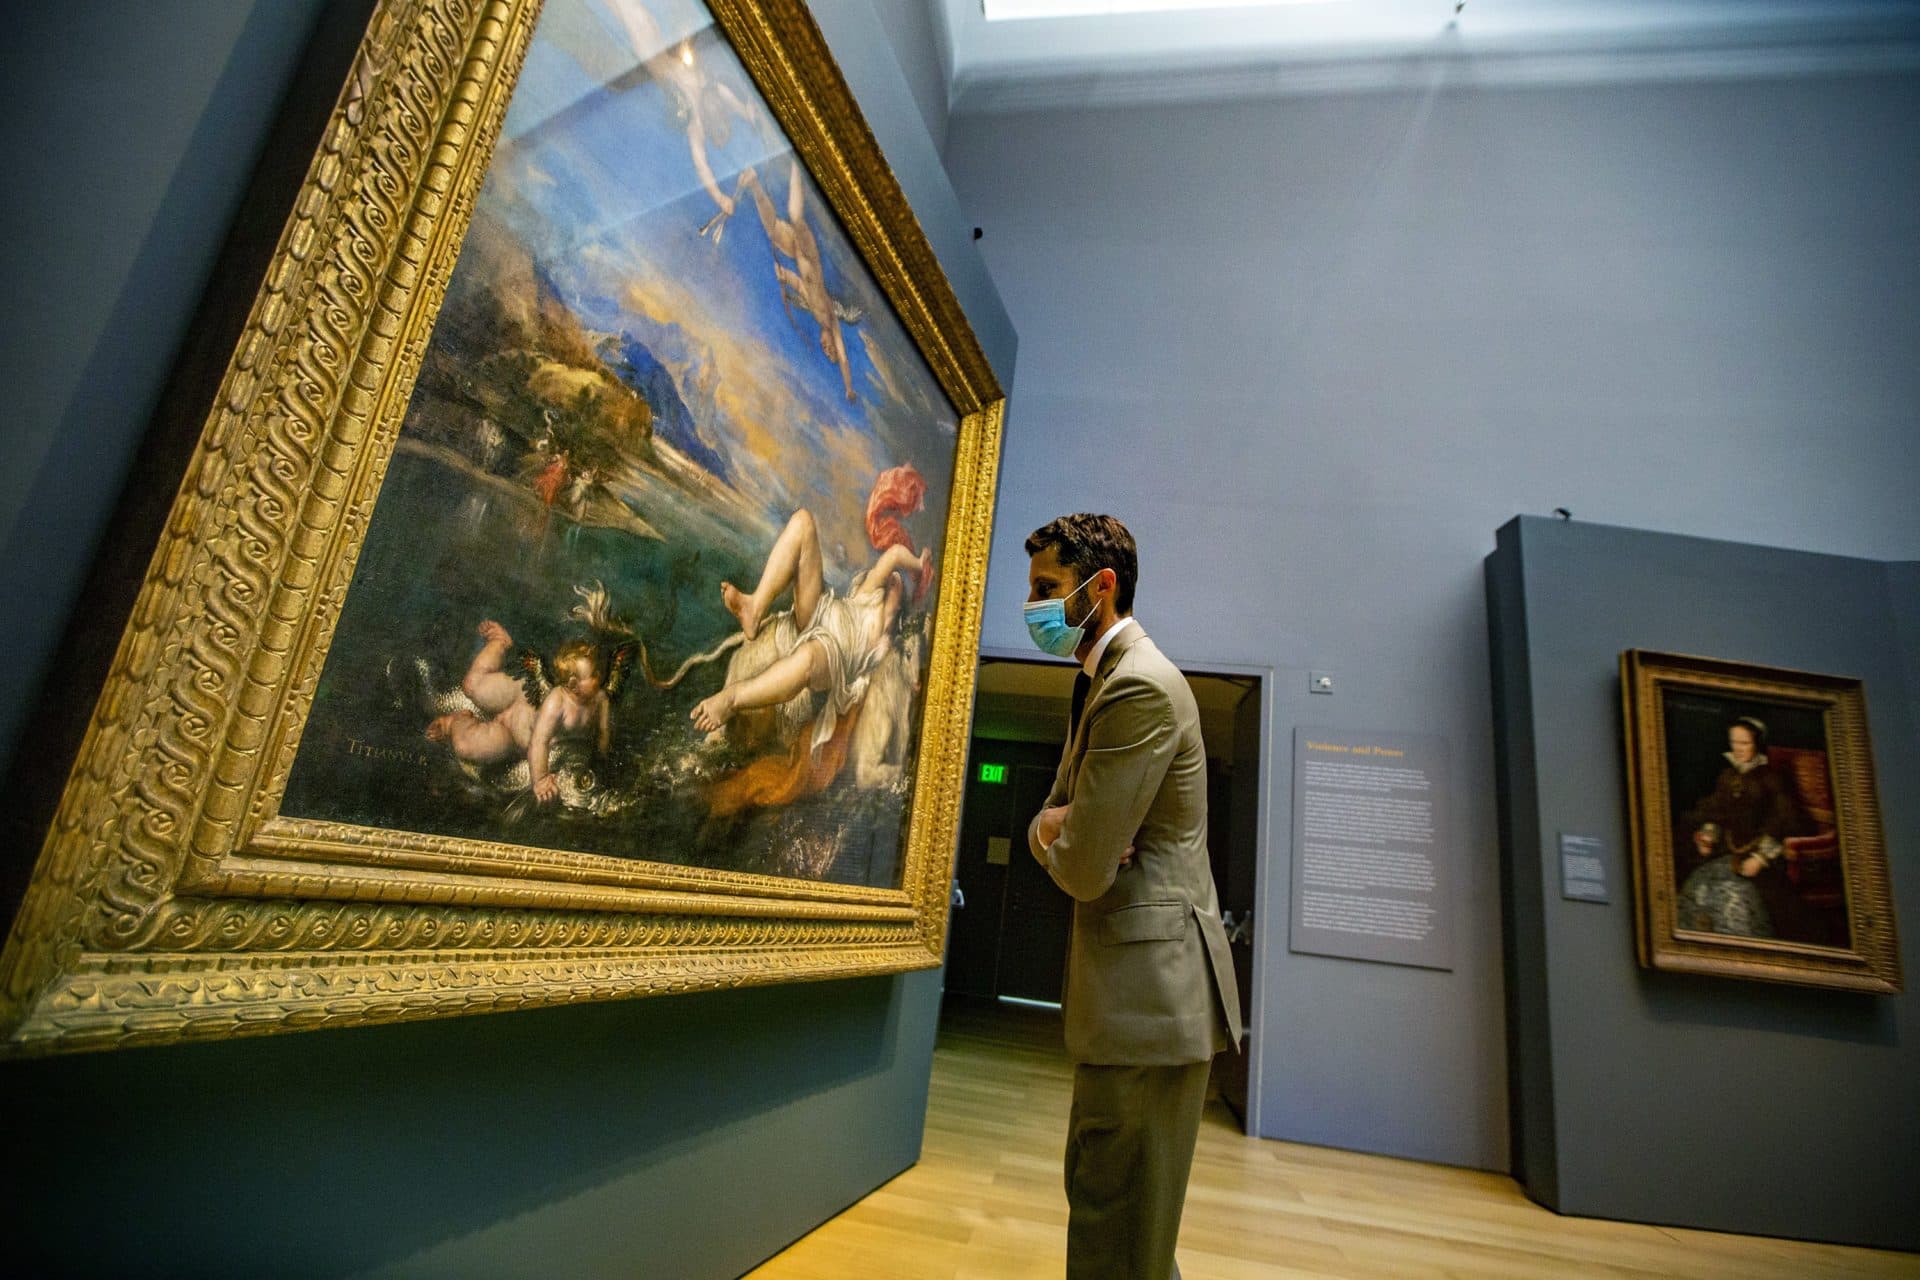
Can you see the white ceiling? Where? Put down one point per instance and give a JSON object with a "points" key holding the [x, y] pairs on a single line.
{"points": [[1331, 45]]}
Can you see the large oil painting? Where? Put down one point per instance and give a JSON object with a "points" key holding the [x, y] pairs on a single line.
{"points": [[1757, 825], [653, 568], [572, 591]]}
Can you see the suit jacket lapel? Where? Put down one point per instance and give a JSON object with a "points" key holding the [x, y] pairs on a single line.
{"points": [[1077, 742], [1111, 659], [1081, 683]]}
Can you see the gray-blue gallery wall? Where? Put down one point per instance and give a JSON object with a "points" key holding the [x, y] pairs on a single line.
{"points": [[131, 132], [1674, 1098], [1903, 585], [682, 1137], [919, 50], [1315, 349]]}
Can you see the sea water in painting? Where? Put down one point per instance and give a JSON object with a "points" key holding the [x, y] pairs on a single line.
{"points": [[652, 571]]}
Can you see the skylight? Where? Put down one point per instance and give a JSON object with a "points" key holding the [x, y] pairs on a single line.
{"points": [[1011, 10]]}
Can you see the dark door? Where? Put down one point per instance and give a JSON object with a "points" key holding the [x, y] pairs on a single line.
{"points": [[980, 870], [1037, 916], [1237, 879]]}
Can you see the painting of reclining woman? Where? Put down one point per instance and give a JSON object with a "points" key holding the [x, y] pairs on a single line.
{"points": [[652, 570], [843, 650]]}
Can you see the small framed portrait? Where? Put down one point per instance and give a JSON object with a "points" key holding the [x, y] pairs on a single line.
{"points": [[1758, 850]]}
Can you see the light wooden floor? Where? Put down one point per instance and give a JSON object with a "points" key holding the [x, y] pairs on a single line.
{"points": [[985, 1203]]}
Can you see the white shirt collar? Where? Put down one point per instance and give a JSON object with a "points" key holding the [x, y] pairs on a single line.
{"points": [[1092, 665]]}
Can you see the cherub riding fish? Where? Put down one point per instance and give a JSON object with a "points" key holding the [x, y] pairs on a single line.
{"points": [[521, 709]]}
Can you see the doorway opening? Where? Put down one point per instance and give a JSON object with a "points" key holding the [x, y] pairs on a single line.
{"points": [[1007, 943]]}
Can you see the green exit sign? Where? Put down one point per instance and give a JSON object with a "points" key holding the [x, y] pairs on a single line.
{"points": [[993, 773]]}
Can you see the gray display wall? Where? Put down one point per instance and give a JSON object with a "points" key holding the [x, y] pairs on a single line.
{"points": [[680, 1137], [1903, 581], [1316, 349], [1673, 1098], [130, 143]]}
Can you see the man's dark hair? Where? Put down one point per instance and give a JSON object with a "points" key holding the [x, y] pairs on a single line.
{"points": [[1087, 543]]}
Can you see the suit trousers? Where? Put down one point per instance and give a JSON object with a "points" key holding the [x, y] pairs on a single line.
{"points": [[1129, 1149]]}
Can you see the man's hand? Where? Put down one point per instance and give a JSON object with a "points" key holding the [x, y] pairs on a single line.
{"points": [[1052, 822], [1126, 859], [1752, 865]]}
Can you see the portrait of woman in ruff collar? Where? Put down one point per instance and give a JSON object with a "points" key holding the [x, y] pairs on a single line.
{"points": [[1754, 845]]}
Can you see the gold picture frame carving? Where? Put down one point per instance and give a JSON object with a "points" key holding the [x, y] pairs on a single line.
{"points": [[1698, 902], [170, 900]]}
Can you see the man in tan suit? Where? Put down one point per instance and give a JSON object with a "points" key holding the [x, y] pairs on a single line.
{"points": [[1150, 992]]}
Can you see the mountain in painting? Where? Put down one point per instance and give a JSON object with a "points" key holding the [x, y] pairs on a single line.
{"points": [[636, 366]]}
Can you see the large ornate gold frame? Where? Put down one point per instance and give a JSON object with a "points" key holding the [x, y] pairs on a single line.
{"points": [[1873, 962], [170, 901]]}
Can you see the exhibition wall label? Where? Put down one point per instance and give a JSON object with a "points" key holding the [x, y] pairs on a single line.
{"points": [[1583, 868], [1372, 863]]}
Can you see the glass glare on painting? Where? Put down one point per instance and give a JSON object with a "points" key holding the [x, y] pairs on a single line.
{"points": [[652, 570]]}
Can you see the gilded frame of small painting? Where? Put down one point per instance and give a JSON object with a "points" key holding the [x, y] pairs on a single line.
{"points": [[1758, 847], [574, 591]]}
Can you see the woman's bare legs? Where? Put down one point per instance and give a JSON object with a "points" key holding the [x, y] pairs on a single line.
{"points": [[793, 562], [804, 668]]}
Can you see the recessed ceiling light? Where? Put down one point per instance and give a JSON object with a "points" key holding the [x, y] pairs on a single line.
{"points": [[1011, 10]]}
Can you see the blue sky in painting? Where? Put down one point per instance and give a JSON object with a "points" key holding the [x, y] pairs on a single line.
{"points": [[595, 176]]}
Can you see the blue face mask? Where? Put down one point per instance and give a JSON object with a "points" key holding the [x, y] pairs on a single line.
{"points": [[1047, 623]]}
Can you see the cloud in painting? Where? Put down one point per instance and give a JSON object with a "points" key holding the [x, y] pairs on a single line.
{"points": [[789, 454], [622, 217]]}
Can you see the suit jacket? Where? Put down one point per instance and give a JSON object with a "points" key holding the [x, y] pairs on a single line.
{"points": [[1149, 976]]}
